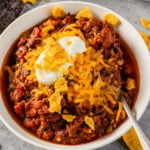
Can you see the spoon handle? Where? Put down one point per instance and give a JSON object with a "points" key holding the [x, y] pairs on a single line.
{"points": [[143, 139]]}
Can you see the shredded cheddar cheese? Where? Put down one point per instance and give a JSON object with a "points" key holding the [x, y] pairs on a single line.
{"points": [[71, 31], [54, 57], [31, 58], [17, 72], [48, 27], [82, 89], [119, 111], [89, 121], [123, 114], [42, 89], [108, 109], [110, 98], [37, 92]]}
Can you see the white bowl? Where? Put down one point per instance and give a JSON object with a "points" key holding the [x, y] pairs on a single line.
{"points": [[129, 34]]}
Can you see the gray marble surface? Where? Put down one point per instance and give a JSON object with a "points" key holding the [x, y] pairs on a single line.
{"points": [[132, 10]]}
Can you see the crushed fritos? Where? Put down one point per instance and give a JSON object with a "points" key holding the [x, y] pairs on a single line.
{"points": [[130, 84], [146, 38], [145, 23], [85, 12], [89, 121], [111, 19], [55, 102], [132, 141], [29, 1], [58, 12], [61, 85], [68, 118]]}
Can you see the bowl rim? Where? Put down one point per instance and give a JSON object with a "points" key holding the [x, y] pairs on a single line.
{"points": [[89, 145]]}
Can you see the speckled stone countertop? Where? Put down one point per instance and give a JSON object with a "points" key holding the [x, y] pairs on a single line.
{"points": [[132, 10]]}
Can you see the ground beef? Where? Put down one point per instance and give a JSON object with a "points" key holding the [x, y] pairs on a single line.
{"points": [[19, 109], [16, 95], [21, 52]]}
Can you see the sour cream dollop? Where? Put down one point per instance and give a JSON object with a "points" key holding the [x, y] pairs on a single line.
{"points": [[72, 45]]}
